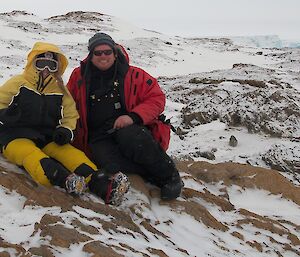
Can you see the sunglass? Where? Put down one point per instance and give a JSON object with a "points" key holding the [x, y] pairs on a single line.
{"points": [[43, 63], [105, 52]]}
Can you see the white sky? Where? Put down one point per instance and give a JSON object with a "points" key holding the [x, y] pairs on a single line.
{"points": [[185, 18]]}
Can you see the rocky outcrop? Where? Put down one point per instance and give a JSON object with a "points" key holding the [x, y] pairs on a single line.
{"points": [[259, 99], [144, 225], [259, 105], [278, 157]]}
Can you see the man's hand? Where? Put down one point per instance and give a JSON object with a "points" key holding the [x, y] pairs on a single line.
{"points": [[122, 122]]}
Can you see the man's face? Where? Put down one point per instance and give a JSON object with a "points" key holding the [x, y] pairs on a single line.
{"points": [[103, 57]]}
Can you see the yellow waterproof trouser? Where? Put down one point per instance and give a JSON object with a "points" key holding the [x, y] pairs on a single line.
{"points": [[24, 152]]}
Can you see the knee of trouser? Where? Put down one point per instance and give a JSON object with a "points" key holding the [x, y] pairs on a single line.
{"points": [[72, 158], [138, 144], [132, 134], [18, 149], [24, 152]]}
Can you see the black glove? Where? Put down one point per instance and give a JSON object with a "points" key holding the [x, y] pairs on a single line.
{"points": [[136, 118], [62, 136]]}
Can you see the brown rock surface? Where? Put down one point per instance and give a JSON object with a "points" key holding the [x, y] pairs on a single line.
{"points": [[102, 230]]}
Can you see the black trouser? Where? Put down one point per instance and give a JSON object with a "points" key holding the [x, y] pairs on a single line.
{"points": [[134, 150]]}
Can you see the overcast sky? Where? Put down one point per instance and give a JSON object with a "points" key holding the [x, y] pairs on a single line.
{"points": [[184, 18]]}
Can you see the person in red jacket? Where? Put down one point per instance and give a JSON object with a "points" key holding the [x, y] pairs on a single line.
{"points": [[120, 107]]}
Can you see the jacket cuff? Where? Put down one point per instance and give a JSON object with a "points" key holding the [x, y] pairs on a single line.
{"points": [[136, 118]]}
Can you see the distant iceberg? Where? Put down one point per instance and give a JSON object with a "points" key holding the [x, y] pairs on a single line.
{"points": [[268, 41]]}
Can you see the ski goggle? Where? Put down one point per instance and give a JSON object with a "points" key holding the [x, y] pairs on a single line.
{"points": [[105, 52], [42, 63]]}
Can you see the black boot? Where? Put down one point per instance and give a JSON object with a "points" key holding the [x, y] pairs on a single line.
{"points": [[58, 175], [172, 187], [55, 172], [111, 188]]}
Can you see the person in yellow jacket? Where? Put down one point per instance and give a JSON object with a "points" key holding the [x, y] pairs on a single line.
{"points": [[37, 119]]}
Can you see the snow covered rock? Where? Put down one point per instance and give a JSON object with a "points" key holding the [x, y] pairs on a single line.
{"points": [[217, 215]]}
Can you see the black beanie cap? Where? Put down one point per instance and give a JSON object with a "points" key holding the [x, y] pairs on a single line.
{"points": [[101, 39]]}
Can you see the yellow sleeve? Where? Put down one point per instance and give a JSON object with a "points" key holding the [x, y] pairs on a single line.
{"points": [[8, 90], [70, 114]]}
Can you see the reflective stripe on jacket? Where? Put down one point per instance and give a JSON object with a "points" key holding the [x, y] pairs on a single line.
{"points": [[42, 111]]}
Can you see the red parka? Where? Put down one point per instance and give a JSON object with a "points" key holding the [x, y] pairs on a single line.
{"points": [[142, 95]]}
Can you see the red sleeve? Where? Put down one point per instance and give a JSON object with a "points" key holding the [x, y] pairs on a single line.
{"points": [[149, 100]]}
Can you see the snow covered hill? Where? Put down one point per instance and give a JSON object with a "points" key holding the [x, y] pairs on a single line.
{"points": [[232, 104], [270, 41]]}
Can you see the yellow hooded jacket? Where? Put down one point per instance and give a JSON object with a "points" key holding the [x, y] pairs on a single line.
{"points": [[40, 111]]}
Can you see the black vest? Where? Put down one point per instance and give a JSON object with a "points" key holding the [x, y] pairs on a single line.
{"points": [[104, 100]]}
